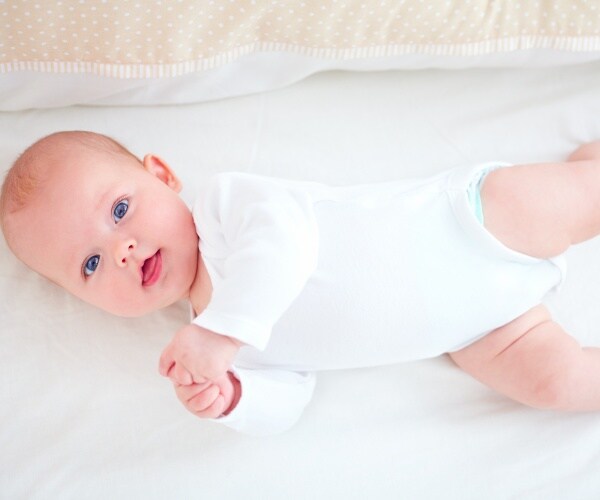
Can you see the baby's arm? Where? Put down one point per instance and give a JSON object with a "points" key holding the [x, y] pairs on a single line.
{"points": [[255, 402], [588, 151], [260, 240]]}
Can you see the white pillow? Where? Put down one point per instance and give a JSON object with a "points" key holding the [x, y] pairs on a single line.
{"points": [[136, 52]]}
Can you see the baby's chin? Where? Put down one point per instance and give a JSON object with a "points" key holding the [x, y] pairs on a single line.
{"points": [[132, 310], [137, 312]]}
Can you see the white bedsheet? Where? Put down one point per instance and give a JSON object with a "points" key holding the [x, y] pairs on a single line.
{"points": [[84, 413]]}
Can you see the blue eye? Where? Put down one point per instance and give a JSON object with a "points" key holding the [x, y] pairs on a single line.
{"points": [[90, 265], [120, 210]]}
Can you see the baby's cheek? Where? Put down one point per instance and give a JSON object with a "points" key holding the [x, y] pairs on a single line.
{"points": [[173, 225], [121, 299]]}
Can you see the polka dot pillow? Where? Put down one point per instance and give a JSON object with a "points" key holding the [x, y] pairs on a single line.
{"points": [[105, 51]]}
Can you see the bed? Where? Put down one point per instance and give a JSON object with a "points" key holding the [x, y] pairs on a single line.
{"points": [[84, 412]]}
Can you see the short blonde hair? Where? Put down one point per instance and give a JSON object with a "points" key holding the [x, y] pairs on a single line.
{"points": [[35, 163]]}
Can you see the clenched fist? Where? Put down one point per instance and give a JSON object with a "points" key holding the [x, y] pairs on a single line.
{"points": [[197, 355], [210, 399]]}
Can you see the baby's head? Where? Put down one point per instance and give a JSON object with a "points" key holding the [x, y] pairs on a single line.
{"points": [[81, 210]]}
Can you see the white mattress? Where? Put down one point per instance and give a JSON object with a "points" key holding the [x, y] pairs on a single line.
{"points": [[84, 413]]}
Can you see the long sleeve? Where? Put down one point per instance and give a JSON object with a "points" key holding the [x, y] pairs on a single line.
{"points": [[272, 401], [259, 242]]}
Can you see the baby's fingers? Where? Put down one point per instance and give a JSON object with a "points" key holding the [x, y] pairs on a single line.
{"points": [[166, 361], [187, 392], [215, 410], [198, 400], [178, 374], [202, 401]]}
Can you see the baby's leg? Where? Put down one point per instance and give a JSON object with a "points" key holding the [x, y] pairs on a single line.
{"points": [[589, 151], [542, 209], [533, 361]]}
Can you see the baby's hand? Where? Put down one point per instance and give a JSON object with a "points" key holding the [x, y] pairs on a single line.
{"points": [[197, 355], [210, 400]]}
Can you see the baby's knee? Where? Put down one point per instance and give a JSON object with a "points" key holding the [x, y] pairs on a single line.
{"points": [[553, 391]]}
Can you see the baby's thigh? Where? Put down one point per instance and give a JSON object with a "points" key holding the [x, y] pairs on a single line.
{"points": [[521, 359], [542, 209]]}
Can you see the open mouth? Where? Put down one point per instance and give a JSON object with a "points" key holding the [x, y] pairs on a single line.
{"points": [[151, 269]]}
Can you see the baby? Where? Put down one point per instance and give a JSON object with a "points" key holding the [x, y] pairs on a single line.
{"points": [[287, 278]]}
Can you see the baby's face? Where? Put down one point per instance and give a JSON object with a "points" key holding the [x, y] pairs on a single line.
{"points": [[112, 233]]}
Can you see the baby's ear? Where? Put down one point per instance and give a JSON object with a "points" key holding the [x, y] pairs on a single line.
{"points": [[159, 168]]}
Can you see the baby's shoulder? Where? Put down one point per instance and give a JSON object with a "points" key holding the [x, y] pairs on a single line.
{"points": [[237, 186], [234, 180]]}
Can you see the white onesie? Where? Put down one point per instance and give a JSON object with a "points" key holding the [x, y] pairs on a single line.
{"points": [[312, 277]]}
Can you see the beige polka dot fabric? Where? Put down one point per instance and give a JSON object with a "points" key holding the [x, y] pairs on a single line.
{"points": [[154, 38]]}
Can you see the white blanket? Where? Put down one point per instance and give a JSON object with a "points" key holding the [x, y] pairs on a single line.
{"points": [[84, 413]]}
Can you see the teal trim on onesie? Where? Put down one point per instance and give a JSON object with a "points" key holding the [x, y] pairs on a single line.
{"points": [[474, 194]]}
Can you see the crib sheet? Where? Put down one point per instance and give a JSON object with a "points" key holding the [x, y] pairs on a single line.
{"points": [[84, 413]]}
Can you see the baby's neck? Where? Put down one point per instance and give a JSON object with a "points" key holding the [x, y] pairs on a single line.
{"points": [[201, 289]]}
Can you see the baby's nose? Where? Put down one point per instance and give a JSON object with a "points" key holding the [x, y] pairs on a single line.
{"points": [[124, 251]]}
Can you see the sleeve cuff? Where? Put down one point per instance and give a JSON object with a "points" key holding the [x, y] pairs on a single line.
{"points": [[271, 401]]}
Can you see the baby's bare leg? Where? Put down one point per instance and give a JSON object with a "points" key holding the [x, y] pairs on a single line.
{"points": [[533, 361], [542, 209], [589, 151]]}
